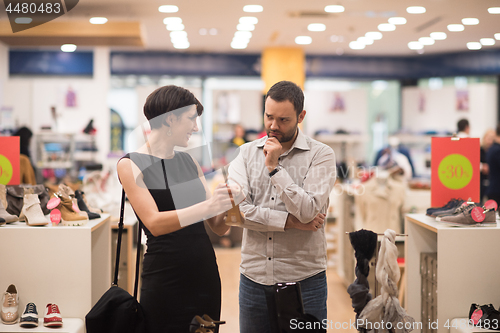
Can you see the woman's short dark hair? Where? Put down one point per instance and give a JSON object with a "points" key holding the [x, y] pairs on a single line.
{"points": [[287, 91], [167, 99]]}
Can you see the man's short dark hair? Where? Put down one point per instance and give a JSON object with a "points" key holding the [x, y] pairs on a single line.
{"points": [[287, 91], [462, 125], [166, 99]]}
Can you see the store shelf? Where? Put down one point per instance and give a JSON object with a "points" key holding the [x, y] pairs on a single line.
{"points": [[70, 325], [465, 269]]}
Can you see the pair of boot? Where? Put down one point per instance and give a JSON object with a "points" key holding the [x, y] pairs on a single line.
{"points": [[5, 217]]}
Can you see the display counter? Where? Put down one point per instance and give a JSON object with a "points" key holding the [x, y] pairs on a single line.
{"points": [[467, 268], [66, 265]]}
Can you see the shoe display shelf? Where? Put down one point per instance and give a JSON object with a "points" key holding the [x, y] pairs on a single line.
{"points": [[70, 325], [466, 269], [66, 265]]}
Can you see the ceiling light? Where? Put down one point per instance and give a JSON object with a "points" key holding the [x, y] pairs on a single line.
{"points": [[415, 10], [455, 27], [426, 41], [168, 9], [98, 20], [253, 8], [240, 40], [182, 45], [316, 27], [355, 45], [365, 40], [415, 45], [497, 36], [178, 34], [172, 20], [374, 35], [474, 46], [202, 31], [243, 34], [248, 20], [487, 41], [386, 27], [470, 21], [397, 20], [68, 47], [438, 35], [213, 31], [494, 10], [334, 9], [303, 40], [238, 46], [245, 27], [175, 26], [178, 40]]}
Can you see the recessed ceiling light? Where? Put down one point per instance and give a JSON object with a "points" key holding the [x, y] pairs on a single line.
{"points": [[397, 20], [365, 40], [202, 31], [243, 34], [316, 27], [487, 41], [238, 45], [213, 31], [303, 40], [334, 9], [248, 20], [175, 26], [240, 40], [455, 27], [415, 10], [182, 45], [68, 47], [245, 27], [415, 45], [253, 8], [355, 45], [494, 10], [470, 21], [386, 27], [178, 34], [474, 46], [98, 20], [375, 35], [497, 36], [426, 40], [168, 9], [438, 35], [177, 40], [172, 20]]}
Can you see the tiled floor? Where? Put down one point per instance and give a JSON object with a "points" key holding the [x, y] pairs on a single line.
{"points": [[339, 303]]}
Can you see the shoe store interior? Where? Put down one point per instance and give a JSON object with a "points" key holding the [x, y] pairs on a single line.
{"points": [[405, 94]]}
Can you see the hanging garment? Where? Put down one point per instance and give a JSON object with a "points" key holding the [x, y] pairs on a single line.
{"points": [[386, 307]]}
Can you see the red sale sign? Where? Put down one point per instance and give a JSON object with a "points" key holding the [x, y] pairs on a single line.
{"points": [[9, 160], [454, 169]]}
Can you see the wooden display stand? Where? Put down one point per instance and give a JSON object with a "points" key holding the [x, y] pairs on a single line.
{"points": [[68, 266]]}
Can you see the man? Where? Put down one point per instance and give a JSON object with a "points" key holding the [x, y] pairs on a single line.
{"points": [[287, 178], [463, 128]]}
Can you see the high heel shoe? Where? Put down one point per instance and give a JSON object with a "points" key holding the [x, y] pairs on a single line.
{"points": [[217, 323], [31, 209], [200, 325]]}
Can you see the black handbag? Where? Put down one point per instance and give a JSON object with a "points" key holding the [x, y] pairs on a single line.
{"points": [[485, 316], [117, 311]]}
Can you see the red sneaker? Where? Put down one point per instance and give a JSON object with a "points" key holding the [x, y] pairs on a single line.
{"points": [[52, 316]]}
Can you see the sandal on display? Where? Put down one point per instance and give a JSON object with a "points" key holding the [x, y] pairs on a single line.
{"points": [[200, 325], [216, 322], [32, 212]]}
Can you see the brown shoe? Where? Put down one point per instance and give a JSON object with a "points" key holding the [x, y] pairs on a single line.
{"points": [[68, 216], [10, 306], [465, 218], [32, 211]]}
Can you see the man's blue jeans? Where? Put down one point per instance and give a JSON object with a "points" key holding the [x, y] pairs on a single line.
{"points": [[254, 316]]}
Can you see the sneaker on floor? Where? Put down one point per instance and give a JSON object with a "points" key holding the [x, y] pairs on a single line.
{"points": [[52, 316], [29, 318], [10, 306]]}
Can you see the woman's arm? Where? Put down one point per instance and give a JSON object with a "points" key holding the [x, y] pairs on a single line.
{"points": [[160, 223]]}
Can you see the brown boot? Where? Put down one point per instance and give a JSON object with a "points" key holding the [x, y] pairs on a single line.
{"points": [[68, 216]]}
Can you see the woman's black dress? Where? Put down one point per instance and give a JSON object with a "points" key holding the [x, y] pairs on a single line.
{"points": [[180, 277]]}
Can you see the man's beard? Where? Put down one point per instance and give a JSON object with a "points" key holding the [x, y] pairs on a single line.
{"points": [[284, 137]]}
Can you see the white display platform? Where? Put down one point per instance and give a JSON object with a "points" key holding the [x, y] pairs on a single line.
{"points": [[68, 266], [466, 269], [70, 325], [458, 325]]}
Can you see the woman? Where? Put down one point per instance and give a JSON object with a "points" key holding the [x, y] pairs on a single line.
{"points": [[169, 194]]}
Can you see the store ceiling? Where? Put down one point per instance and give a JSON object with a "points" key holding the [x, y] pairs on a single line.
{"points": [[278, 25]]}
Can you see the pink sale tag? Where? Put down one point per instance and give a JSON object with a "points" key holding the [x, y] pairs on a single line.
{"points": [[53, 203], [477, 214], [491, 204], [476, 316], [55, 216]]}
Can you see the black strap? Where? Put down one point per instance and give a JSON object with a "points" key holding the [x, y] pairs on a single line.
{"points": [[118, 247]]}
